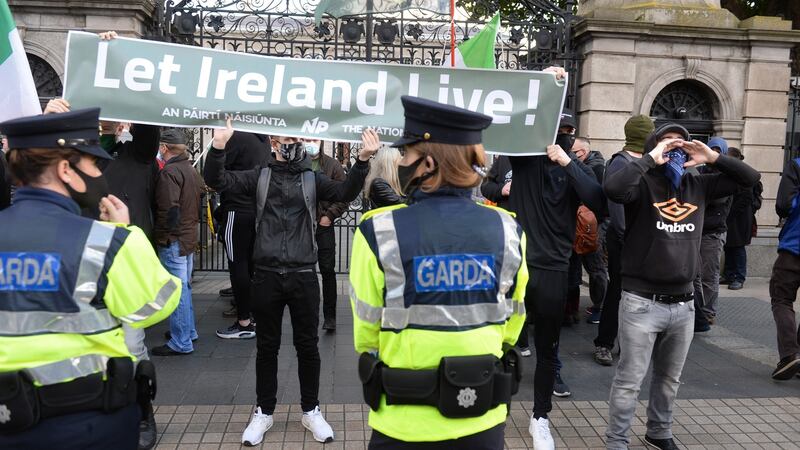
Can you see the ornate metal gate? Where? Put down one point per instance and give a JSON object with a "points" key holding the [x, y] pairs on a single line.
{"points": [[534, 34]]}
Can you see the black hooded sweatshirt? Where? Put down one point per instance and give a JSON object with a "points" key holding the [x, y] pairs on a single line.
{"points": [[663, 227]]}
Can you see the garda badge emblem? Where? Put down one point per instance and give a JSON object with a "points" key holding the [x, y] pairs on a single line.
{"points": [[5, 414], [454, 272], [466, 397]]}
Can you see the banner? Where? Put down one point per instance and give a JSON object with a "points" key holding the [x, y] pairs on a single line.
{"points": [[178, 85]]}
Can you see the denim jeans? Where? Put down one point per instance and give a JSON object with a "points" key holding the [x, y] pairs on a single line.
{"points": [[648, 330], [735, 264], [707, 281], [181, 321]]}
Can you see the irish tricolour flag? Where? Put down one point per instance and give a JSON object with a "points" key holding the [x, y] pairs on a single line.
{"points": [[478, 51], [18, 96]]}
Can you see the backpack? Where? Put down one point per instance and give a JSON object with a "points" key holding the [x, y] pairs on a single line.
{"points": [[586, 240]]}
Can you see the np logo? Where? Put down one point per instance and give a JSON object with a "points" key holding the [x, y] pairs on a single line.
{"points": [[455, 272], [674, 210], [466, 397], [5, 414], [314, 126]]}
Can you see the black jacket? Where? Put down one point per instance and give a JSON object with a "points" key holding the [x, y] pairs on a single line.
{"points": [[546, 197], [132, 174], [381, 194], [595, 161], [244, 151], [285, 238], [717, 210], [331, 168], [499, 175], [663, 228]]}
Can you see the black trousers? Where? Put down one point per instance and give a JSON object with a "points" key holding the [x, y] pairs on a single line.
{"points": [[90, 430], [240, 235], [783, 286], [326, 256], [272, 293], [545, 297], [609, 318], [491, 439]]}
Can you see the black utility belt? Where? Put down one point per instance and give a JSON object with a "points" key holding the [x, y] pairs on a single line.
{"points": [[23, 405], [462, 386], [666, 298]]}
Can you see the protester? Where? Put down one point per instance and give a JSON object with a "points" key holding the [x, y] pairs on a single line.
{"points": [[382, 185], [715, 229], [637, 129], [327, 213], [284, 254], [664, 209], [69, 380], [785, 278], [470, 322], [178, 192], [237, 210], [496, 186], [587, 250], [545, 197], [5, 177], [741, 223]]}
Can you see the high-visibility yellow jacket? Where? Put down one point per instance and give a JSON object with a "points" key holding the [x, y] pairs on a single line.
{"points": [[442, 277], [67, 283]]}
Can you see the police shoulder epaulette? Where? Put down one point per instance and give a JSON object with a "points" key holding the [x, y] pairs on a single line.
{"points": [[373, 212]]}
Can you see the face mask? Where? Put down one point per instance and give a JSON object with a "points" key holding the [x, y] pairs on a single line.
{"points": [[96, 189], [292, 152], [125, 136], [406, 174], [312, 149], [565, 141]]}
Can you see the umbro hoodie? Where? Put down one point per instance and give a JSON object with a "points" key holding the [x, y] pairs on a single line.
{"points": [[663, 227]]}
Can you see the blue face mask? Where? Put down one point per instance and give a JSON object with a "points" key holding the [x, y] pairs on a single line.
{"points": [[312, 149]]}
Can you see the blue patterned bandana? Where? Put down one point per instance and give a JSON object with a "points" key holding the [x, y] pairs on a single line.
{"points": [[674, 169]]}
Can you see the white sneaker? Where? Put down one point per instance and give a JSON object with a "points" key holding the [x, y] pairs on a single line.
{"points": [[540, 430], [316, 424], [259, 424]]}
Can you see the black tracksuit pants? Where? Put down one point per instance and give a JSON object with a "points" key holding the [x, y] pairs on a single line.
{"points": [[326, 256], [272, 292], [545, 297], [240, 234]]}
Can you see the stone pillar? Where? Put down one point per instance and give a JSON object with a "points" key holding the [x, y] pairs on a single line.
{"points": [[43, 24]]}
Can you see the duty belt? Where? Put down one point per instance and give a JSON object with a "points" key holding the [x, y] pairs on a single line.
{"points": [[462, 386], [666, 298]]}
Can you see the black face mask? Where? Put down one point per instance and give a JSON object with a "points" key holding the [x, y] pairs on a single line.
{"points": [[406, 175], [565, 141], [293, 152], [96, 189]]}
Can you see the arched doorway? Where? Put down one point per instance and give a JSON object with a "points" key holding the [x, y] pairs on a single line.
{"points": [[48, 83], [688, 103]]}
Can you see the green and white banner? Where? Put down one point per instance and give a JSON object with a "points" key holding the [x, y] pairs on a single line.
{"points": [[178, 85]]}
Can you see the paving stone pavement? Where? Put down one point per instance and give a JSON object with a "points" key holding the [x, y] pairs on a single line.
{"points": [[726, 399]]}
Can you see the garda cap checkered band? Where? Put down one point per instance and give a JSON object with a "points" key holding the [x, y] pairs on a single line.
{"points": [[79, 130], [429, 121]]}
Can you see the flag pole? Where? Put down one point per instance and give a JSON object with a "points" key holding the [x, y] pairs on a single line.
{"points": [[452, 33]]}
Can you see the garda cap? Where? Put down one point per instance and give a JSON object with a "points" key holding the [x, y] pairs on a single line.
{"points": [[79, 130], [429, 121]]}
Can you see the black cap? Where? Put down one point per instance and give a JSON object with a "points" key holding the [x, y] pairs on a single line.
{"points": [[429, 121], [567, 119], [79, 130], [173, 136]]}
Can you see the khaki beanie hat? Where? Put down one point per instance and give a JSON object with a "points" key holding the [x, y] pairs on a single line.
{"points": [[637, 128]]}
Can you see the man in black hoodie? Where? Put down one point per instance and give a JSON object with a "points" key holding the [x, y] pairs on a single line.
{"points": [[664, 209], [285, 256], [497, 185]]}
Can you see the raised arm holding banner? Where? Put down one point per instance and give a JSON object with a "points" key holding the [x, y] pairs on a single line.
{"points": [[178, 85]]}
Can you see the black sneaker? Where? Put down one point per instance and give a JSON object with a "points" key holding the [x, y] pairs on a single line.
{"points": [[735, 285], [560, 389], [662, 444], [602, 356], [329, 324], [237, 331], [787, 368], [226, 292], [723, 280]]}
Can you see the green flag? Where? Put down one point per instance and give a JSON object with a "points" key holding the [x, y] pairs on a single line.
{"points": [[18, 98], [478, 51]]}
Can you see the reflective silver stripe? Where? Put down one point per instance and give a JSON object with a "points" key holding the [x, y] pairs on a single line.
{"points": [[153, 307], [68, 369], [364, 310], [21, 323], [389, 254], [445, 315], [512, 258], [516, 307], [92, 261]]}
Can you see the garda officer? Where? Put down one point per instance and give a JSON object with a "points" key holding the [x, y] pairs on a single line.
{"points": [[437, 293], [67, 283]]}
